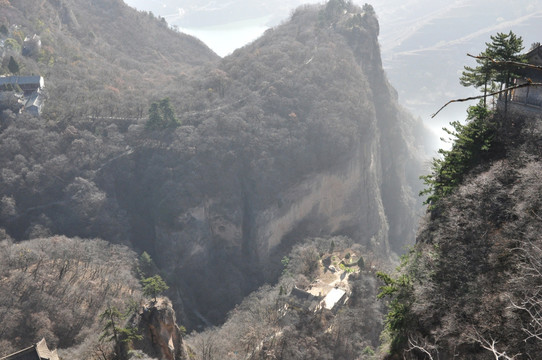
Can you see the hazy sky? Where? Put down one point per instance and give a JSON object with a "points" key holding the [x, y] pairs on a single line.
{"points": [[424, 42]]}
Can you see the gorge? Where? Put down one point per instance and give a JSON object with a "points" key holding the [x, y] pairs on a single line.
{"points": [[296, 136]]}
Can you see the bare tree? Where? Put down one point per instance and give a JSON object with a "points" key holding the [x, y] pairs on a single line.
{"points": [[491, 345], [419, 345], [207, 346]]}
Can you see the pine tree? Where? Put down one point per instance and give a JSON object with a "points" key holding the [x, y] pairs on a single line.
{"points": [[505, 47], [154, 286], [502, 48], [112, 318], [168, 116], [146, 267], [480, 76], [161, 115], [155, 120]]}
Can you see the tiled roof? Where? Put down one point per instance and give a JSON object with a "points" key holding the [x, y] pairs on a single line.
{"points": [[21, 80]]}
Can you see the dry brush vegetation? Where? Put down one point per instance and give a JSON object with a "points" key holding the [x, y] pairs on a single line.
{"points": [[56, 287]]}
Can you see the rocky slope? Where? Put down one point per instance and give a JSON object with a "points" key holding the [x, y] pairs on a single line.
{"points": [[475, 271], [101, 60], [55, 288]]}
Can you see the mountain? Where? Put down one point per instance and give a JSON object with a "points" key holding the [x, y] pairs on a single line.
{"points": [[418, 38], [469, 288], [424, 37], [298, 135], [97, 51]]}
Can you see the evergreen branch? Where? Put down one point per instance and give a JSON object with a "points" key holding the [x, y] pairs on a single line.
{"points": [[529, 83], [514, 63]]}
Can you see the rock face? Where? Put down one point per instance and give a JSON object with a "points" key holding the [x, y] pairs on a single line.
{"points": [[161, 335], [317, 146]]}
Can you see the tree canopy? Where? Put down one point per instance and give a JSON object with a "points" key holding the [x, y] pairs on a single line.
{"points": [[505, 47], [488, 75], [154, 286], [161, 115], [112, 318], [13, 66], [472, 142]]}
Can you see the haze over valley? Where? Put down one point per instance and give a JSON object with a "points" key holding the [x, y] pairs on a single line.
{"points": [[271, 196]]}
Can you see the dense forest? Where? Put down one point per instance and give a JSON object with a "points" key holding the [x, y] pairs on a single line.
{"points": [[217, 168]]}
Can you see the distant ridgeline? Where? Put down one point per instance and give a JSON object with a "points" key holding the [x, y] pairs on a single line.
{"points": [[22, 93]]}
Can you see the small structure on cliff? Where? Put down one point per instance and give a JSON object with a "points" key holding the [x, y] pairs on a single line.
{"points": [[331, 290], [38, 351], [531, 95], [303, 299]]}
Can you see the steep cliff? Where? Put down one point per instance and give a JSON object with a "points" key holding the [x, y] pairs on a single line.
{"points": [[473, 279], [301, 136]]}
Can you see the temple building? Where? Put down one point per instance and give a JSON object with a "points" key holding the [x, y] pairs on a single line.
{"points": [[31, 99], [530, 96]]}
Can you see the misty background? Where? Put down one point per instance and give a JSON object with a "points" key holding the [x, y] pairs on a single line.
{"points": [[419, 39]]}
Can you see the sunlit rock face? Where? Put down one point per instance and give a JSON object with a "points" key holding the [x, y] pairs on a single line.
{"points": [[162, 338]]}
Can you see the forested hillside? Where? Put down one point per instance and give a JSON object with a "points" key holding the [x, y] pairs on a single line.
{"points": [[470, 288], [275, 321], [56, 288], [471, 284], [102, 60], [217, 168]]}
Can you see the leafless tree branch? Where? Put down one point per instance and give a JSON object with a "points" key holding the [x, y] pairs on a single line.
{"points": [[529, 83], [413, 345], [491, 345], [513, 63]]}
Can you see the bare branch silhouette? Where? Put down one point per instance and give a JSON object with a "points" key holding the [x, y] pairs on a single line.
{"points": [[413, 345], [528, 83], [491, 345], [514, 63]]}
